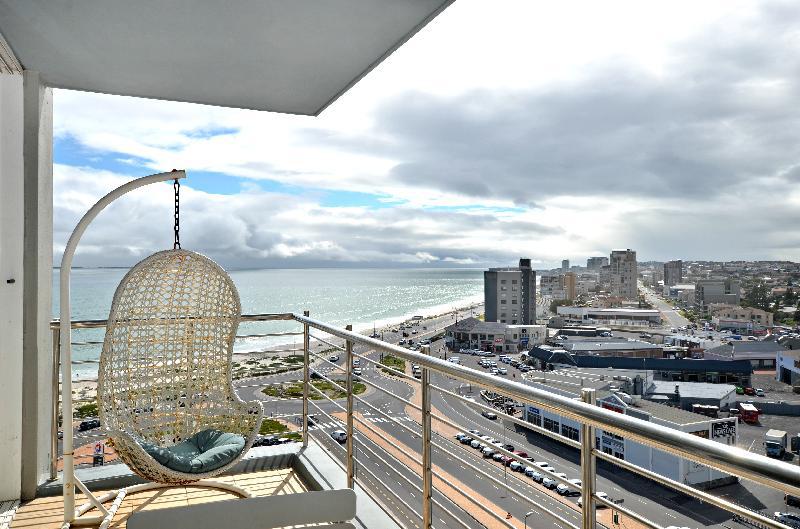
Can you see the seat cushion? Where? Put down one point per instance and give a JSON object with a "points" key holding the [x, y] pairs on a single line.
{"points": [[203, 452]]}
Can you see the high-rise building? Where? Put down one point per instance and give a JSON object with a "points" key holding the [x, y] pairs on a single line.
{"points": [[673, 273], [624, 274], [552, 286], [569, 285], [510, 294], [595, 263], [565, 265]]}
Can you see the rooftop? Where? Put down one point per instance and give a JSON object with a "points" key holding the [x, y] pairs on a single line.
{"points": [[701, 390]]}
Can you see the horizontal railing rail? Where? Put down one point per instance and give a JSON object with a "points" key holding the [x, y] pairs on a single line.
{"points": [[732, 460]]}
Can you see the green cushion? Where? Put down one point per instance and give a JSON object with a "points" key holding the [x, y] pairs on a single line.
{"points": [[203, 452]]}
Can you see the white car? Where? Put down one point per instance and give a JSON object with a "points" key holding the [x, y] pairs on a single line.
{"points": [[551, 483], [502, 371], [544, 465], [333, 358], [357, 371], [599, 505], [339, 436], [475, 444], [516, 466], [569, 491]]}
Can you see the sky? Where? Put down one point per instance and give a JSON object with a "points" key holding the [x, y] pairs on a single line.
{"points": [[549, 130]]}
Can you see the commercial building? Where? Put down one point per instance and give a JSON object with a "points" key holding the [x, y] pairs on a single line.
{"points": [[709, 291], [565, 265], [747, 320], [762, 355], [673, 273], [737, 372], [510, 294], [676, 468], [595, 263], [624, 274], [618, 316], [681, 292], [472, 333], [787, 367], [684, 395], [619, 348]]}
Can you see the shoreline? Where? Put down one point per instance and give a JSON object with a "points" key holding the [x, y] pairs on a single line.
{"points": [[85, 389]]}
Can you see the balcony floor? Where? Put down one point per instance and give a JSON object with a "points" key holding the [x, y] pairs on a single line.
{"points": [[47, 512]]}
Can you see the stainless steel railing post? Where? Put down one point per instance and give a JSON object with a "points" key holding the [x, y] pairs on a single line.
{"points": [[588, 467], [306, 378], [55, 393], [348, 362], [427, 481]]}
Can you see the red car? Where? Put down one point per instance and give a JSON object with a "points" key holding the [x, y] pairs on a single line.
{"points": [[506, 460], [521, 454], [749, 391]]}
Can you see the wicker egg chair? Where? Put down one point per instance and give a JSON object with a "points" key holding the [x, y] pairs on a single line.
{"points": [[164, 386]]}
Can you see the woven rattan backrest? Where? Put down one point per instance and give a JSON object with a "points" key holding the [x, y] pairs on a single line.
{"points": [[168, 346]]}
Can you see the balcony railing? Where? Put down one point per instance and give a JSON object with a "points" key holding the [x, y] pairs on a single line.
{"points": [[734, 461]]}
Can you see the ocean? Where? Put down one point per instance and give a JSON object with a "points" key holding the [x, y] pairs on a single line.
{"points": [[361, 297]]}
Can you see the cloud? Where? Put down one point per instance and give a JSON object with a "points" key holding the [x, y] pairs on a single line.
{"points": [[670, 128]]}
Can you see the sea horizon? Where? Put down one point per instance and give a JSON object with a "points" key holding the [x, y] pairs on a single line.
{"points": [[363, 297]]}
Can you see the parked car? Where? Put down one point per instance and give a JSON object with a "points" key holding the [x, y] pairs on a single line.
{"points": [[749, 391], [759, 392], [535, 476], [569, 491], [340, 436], [333, 358], [509, 447], [792, 520], [475, 443], [466, 440], [502, 371], [739, 390], [551, 483], [488, 452], [356, 370], [492, 416], [791, 501], [544, 465], [91, 424], [516, 466], [645, 335], [500, 458], [597, 503]]}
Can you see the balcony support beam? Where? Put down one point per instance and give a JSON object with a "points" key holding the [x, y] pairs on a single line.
{"points": [[348, 362], [427, 476], [588, 467], [306, 378]]}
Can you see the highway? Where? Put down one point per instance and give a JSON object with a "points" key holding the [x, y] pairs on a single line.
{"points": [[661, 505]]}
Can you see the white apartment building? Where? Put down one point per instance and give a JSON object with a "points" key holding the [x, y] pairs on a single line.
{"points": [[708, 291], [624, 274]]}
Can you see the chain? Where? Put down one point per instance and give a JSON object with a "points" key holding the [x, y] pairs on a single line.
{"points": [[177, 187]]}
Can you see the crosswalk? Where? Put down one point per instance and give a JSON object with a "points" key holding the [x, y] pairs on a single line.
{"points": [[321, 425]]}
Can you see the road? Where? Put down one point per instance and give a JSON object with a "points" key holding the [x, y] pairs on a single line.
{"points": [[660, 504], [673, 317]]}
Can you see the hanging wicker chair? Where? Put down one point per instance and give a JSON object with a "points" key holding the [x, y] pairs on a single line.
{"points": [[164, 389]]}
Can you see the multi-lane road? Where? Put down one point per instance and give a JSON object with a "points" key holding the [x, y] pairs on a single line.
{"points": [[388, 477]]}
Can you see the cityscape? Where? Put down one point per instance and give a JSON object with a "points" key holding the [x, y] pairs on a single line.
{"points": [[399, 264]]}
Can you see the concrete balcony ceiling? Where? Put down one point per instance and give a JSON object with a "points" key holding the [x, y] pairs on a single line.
{"points": [[292, 56]]}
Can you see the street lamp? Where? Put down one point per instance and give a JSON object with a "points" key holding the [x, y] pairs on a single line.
{"points": [[526, 518]]}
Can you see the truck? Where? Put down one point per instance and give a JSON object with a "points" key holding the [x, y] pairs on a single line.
{"points": [[775, 443], [748, 412]]}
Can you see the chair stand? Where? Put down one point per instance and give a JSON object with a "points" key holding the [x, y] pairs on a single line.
{"points": [[118, 496]]}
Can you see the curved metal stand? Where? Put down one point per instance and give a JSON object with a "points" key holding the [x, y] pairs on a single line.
{"points": [[119, 495], [65, 317]]}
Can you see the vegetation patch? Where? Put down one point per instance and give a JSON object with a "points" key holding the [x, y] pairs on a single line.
{"points": [[294, 390], [86, 410], [394, 362]]}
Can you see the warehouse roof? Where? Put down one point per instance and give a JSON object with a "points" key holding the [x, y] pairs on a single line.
{"points": [[697, 390]]}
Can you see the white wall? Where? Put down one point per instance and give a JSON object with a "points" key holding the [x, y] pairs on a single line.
{"points": [[11, 295]]}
